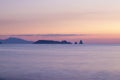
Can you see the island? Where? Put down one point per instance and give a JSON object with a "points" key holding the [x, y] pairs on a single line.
{"points": [[13, 40], [51, 42]]}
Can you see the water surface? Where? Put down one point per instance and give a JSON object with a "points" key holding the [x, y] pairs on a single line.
{"points": [[59, 62]]}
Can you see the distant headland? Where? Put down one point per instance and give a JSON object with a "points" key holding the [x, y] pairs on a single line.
{"points": [[13, 40]]}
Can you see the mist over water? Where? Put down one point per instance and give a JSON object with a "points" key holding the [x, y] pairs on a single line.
{"points": [[59, 62]]}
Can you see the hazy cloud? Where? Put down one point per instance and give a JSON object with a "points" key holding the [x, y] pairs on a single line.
{"points": [[48, 18], [49, 35]]}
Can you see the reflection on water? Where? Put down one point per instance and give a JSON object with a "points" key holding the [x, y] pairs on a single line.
{"points": [[59, 62]]}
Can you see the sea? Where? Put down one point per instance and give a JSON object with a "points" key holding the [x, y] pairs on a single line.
{"points": [[59, 62]]}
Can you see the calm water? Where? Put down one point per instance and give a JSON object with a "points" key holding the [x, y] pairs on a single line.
{"points": [[59, 62]]}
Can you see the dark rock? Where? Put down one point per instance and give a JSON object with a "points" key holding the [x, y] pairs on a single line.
{"points": [[65, 42], [81, 42], [75, 43]]}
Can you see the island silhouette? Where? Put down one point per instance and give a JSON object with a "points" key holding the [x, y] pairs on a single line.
{"points": [[14, 40], [51, 42]]}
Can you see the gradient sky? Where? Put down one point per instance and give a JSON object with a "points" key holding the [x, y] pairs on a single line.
{"points": [[99, 20]]}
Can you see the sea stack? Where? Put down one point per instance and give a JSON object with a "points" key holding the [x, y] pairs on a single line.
{"points": [[81, 42]]}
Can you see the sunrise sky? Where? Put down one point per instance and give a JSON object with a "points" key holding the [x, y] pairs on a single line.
{"points": [[94, 21]]}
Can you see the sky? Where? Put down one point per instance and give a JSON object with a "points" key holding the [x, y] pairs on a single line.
{"points": [[95, 21]]}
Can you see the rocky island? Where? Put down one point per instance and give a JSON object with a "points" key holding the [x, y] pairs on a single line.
{"points": [[51, 42]]}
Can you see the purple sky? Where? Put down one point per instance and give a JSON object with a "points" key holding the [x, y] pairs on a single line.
{"points": [[89, 17]]}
